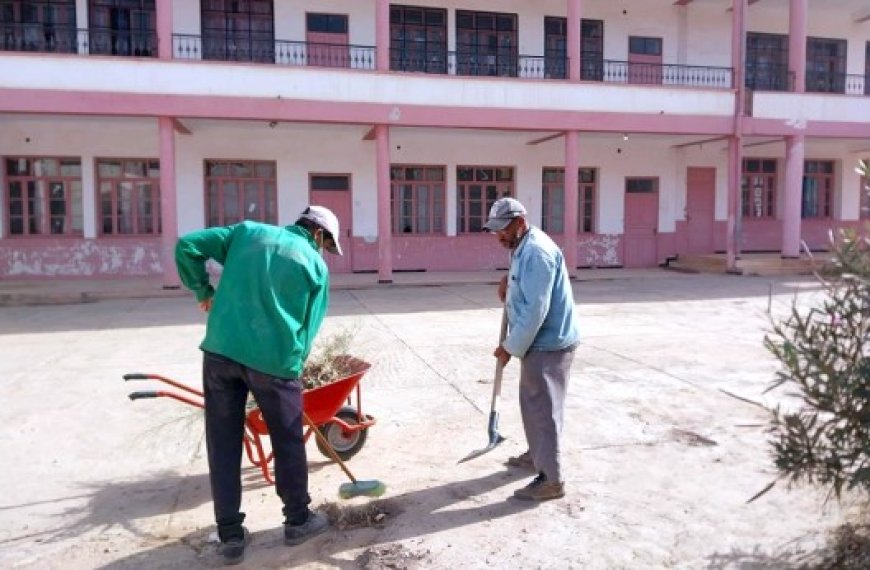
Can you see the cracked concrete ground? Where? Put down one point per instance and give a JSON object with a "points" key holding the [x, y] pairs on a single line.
{"points": [[664, 440]]}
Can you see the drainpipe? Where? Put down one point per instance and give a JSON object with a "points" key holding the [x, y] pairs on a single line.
{"points": [[572, 199], [164, 29], [169, 220], [573, 48], [382, 35], [735, 144], [385, 228]]}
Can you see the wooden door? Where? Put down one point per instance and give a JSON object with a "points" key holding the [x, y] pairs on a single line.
{"points": [[644, 60], [700, 209], [641, 222], [333, 192], [327, 40]]}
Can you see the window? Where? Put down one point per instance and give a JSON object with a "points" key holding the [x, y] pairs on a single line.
{"points": [[641, 185], [826, 65], [486, 44], [553, 200], [129, 196], [867, 69], [758, 188], [767, 62], [418, 39], [477, 188], [238, 30], [237, 190], [44, 196], [122, 27], [818, 184], [45, 26], [639, 45], [417, 199], [591, 48]]}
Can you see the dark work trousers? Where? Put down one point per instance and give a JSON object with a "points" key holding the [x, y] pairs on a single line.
{"points": [[225, 386], [543, 386]]}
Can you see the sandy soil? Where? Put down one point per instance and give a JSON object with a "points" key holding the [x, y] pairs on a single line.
{"points": [[664, 440]]}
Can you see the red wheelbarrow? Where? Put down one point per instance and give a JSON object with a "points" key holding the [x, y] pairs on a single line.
{"points": [[344, 427]]}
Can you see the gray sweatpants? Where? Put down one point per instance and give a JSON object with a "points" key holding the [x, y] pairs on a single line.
{"points": [[543, 386]]}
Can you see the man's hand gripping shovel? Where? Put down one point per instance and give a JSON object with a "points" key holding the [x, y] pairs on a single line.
{"points": [[495, 438]]}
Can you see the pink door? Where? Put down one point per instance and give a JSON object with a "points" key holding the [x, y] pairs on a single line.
{"points": [[333, 191], [644, 60], [700, 209], [327, 50], [641, 222]]}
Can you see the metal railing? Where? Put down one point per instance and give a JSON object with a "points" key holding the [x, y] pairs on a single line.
{"points": [[325, 55], [836, 83], [39, 38], [49, 38], [663, 74]]}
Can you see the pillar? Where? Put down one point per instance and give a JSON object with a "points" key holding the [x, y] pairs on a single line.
{"points": [[168, 217]]}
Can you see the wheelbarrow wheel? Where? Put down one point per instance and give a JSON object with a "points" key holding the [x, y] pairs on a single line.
{"points": [[345, 445]]}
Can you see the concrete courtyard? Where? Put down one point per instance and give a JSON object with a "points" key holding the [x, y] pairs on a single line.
{"points": [[664, 441]]}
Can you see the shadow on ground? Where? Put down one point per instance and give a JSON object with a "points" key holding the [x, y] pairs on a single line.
{"points": [[409, 515], [120, 504]]}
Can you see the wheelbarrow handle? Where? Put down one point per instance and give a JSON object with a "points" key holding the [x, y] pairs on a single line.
{"points": [[164, 379], [141, 395], [161, 394]]}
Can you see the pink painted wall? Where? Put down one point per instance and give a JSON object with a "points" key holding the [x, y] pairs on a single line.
{"points": [[115, 257], [474, 253]]}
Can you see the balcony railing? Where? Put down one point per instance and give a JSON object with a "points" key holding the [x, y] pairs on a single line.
{"points": [[663, 74], [49, 38], [837, 83], [325, 55], [38, 37]]}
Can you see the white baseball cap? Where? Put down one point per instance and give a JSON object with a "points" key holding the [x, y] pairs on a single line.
{"points": [[503, 211], [327, 221]]}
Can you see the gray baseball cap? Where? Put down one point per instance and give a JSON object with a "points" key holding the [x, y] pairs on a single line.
{"points": [[502, 212], [324, 218]]}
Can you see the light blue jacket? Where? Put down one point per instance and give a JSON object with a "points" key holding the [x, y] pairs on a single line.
{"points": [[539, 302]]}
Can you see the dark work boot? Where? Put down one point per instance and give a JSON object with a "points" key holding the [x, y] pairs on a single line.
{"points": [[232, 547], [315, 524]]}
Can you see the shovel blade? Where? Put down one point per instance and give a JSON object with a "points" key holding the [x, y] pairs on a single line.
{"points": [[494, 442]]}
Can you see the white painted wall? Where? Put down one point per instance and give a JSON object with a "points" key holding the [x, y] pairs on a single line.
{"points": [[296, 150], [88, 139]]}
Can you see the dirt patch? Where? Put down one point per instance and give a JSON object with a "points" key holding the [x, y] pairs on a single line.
{"points": [[691, 438], [390, 556], [374, 514]]}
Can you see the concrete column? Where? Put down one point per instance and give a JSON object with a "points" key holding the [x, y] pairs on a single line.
{"points": [[733, 237], [738, 42], [735, 212], [164, 29], [382, 35], [168, 201], [90, 217], [573, 47], [572, 165], [791, 202], [385, 229], [797, 43]]}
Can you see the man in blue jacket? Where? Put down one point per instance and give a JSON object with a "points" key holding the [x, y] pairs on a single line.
{"points": [[543, 333]]}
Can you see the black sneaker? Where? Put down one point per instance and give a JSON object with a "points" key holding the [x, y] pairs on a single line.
{"points": [[233, 548], [298, 533]]}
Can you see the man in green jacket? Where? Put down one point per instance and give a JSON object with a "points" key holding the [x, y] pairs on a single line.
{"points": [[262, 320]]}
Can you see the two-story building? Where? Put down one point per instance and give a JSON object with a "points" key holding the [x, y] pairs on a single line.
{"points": [[634, 130]]}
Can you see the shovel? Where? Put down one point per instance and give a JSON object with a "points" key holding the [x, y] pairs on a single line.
{"points": [[495, 438]]}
